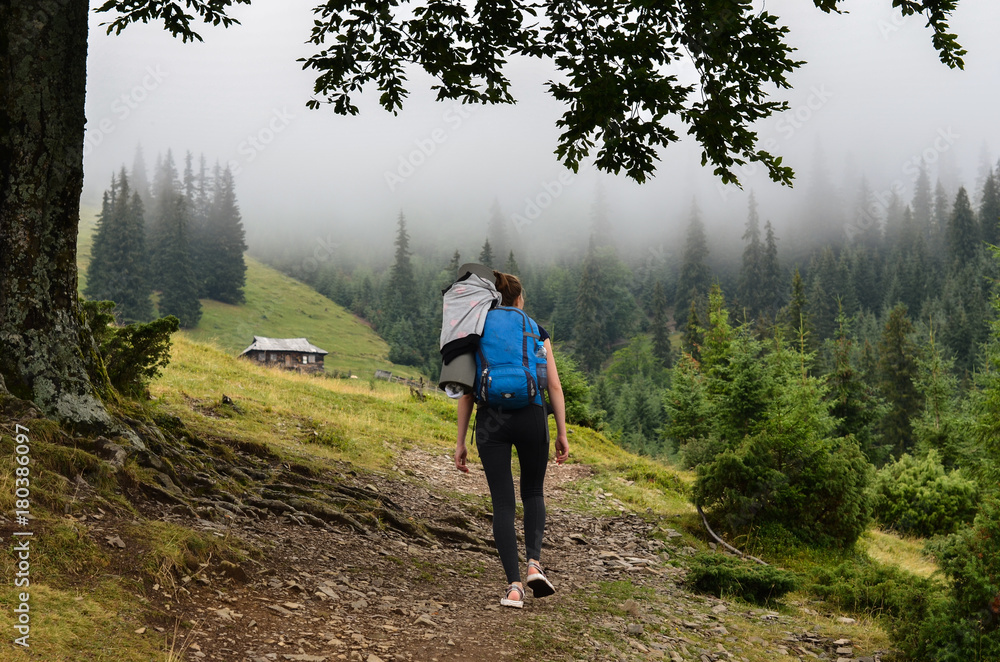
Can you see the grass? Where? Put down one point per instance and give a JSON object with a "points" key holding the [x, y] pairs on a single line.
{"points": [[892, 549], [303, 416], [97, 624], [277, 306]]}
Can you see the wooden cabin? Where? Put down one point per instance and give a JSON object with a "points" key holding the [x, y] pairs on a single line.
{"points": [[289, 353]]}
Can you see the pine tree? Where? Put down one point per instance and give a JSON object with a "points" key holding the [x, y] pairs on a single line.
{"points": [[694, 335], [936, 239], [497, 233], [989, 209], [166, 190], [797, 321], [856, 405], [923, 203], [661, 334], [591, 331], [456, 262], [179, 285], [751, 284], [139, 177], [119, 262], [823, 292], [941, 426], [897, 370], [773, 287], [695, 276], [486, 254], [97, 270], [963, 233], [401, 296], [511, 266], [867, 223], [224, 243]]}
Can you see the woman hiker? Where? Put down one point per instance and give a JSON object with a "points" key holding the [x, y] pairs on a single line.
{"points": [[526, 428]]}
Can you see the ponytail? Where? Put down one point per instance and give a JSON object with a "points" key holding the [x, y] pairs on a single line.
{"points": [[509, 287]]}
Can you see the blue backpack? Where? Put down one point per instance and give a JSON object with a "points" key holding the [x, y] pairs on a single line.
{"points": [[511, 371]]}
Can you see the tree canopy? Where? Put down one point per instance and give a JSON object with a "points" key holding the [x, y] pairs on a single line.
{"points": [[613, 59]]}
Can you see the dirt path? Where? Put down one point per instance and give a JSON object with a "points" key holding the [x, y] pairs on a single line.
{"points": [[323, 595]]}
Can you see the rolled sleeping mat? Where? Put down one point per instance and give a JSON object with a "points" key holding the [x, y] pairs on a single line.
{"points": [[458, 376]]}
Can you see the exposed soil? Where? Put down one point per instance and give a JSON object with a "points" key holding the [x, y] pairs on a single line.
{"points": [[328, 591]]}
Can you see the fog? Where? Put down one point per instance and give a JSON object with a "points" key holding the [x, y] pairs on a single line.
{"points": [[873, 100]]}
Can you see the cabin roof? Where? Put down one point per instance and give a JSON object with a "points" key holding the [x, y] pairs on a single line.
{"points": [[262, 344]]}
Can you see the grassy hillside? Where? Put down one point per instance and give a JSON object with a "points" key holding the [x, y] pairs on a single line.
{"points": [[394, 445], [278, 307]]}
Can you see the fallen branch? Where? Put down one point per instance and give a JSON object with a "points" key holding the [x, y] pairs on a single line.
{"points": [[723, 542]]}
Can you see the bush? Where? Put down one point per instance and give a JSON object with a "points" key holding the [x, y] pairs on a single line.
{"points": [[863, 585], [816, 489], [133, 354], [916, 496], [721, 575]]}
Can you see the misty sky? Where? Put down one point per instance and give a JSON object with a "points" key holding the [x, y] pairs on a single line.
{"points": [[873, 97]]}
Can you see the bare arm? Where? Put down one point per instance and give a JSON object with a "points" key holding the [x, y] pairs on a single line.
{"points": [[558, 404], [464, 415]]}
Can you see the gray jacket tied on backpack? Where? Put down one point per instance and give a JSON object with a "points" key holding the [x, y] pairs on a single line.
{"points": [[464, 309]]}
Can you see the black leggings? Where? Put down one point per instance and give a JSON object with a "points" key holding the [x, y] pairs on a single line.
{"points": [[526, 429]]}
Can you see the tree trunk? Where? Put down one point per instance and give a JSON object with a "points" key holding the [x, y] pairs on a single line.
{"points": [[44, 346]]}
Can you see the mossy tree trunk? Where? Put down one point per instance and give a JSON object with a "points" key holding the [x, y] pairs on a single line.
{"points": [[44, 346]]}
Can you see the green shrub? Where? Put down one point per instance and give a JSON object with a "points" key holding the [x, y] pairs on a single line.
{"points": [[917, 496], [133, 354], [863, 585], [721, 575], [963, 625], [814, 488]]}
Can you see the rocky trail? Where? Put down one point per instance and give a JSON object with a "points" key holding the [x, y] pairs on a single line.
{"points": [[329, 589]]}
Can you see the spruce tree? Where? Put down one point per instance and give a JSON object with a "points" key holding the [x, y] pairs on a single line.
{"points": [[591, 324], [661, 334], [224, 243], [120, 261], [97, 270], [178, 285], [166, 190], [989, 209], [923, 203], [822, 296], [750, 292], [797, 321], [486, 254], [694, 335], [511, 266], [963, 232], [497, 234], [867, 223], [857, 406], [139, 177], [401, 297], [695, 276], [942, 213], [897, 370], [773, 287], [941, 426], [454, 265]]}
